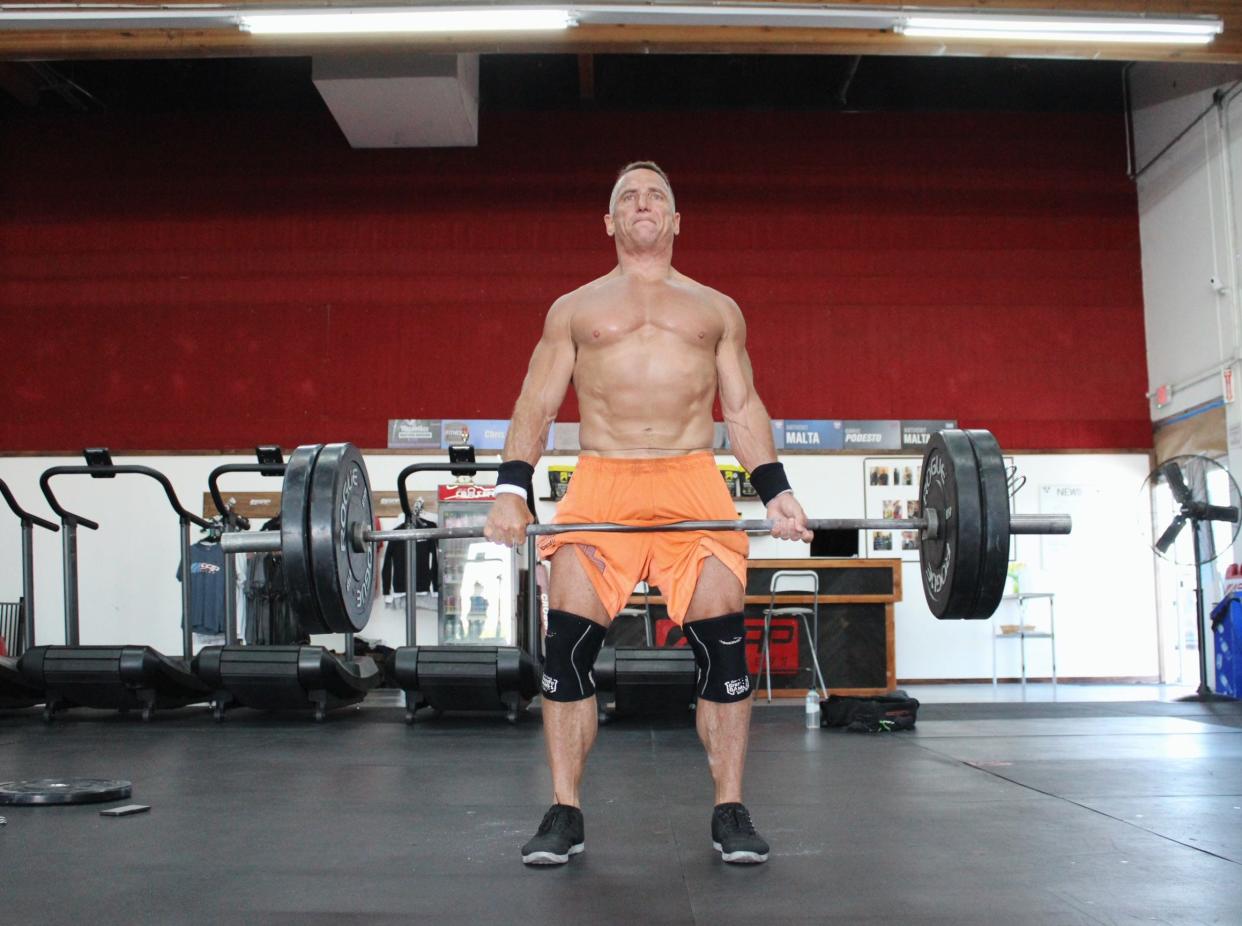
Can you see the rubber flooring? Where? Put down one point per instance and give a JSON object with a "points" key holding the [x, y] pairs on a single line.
{"points": [[1045, 813]]}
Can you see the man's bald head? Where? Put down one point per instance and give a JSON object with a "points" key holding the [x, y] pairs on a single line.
{"points": [[630, 168]]}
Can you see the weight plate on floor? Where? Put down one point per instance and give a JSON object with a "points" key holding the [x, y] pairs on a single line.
{"points": [[949, 564], [295, 538], [994, 494], [344, 578], [64, 791]]}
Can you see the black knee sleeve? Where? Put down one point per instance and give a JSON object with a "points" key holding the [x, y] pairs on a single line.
{"points": [[569, 650], [719, 645]]}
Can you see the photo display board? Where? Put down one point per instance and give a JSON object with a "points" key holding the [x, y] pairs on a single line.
{"points": [[891, 490]]}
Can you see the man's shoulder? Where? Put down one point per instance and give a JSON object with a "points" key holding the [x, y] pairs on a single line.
{"points": [[714, 297], [585, 291], [583, 295], [594, 287]]}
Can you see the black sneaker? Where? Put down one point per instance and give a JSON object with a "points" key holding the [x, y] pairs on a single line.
{"points": [[560, 836], [734, 836]]}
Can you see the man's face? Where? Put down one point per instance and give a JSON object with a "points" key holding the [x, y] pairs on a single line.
{"points": [[643, 215]]}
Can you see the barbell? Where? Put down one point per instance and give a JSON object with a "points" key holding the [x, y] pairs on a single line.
{"points": [[327, 541]]}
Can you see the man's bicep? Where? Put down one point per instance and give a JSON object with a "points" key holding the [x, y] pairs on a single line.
{"points": [[552, 362], [733, 369]]}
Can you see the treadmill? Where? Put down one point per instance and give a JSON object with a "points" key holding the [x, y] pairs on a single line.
{"points": [[293, 677], [644, 680], [120, 678], [15, 691], [466, 678]]}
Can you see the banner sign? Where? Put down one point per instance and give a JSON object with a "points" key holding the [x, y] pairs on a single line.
{"points": [[481, 433], [414, 433], [439, 434], [812, 434], [915, 434], [872, 435]]}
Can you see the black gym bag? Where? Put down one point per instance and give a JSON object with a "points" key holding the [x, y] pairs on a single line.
{"points": [[876, 714]]}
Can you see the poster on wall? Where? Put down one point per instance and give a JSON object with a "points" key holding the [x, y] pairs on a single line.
{"points": [[892, 491], [1059, 553]]}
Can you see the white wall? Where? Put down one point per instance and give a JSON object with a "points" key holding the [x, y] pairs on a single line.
{"points": [[1187, 223], [1105, 600], [1103, 581], [1105, 597]]}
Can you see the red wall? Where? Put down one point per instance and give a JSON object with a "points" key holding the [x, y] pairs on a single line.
{"points": [[222, 280]]}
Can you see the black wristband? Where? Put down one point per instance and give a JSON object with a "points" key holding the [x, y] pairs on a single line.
{"points": [[769, 481], [516, 473]]}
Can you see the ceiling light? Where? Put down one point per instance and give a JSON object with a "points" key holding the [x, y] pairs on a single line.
{"points": [[1120, 29], [764, 15], [346, 22], [472, 16]]}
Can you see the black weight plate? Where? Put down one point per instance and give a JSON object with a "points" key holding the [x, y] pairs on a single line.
{"points": [[344, 578], [950, 487], [64, 791], [994, 562], [295, 538]]}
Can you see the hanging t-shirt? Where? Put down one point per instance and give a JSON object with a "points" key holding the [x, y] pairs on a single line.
{"points": [[207, 589], [393, 574]]}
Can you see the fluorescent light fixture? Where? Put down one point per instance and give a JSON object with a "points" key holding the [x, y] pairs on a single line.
{"points": [[1120, 29], [50, 16], [358, 21], [472, 16], [769, 15], [1034, 35]]}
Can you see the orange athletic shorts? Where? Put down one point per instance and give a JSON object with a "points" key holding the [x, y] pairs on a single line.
{"points": [[648, 491]]}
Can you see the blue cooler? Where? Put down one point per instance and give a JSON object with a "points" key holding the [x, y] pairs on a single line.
{"points": [[1227, 628]]}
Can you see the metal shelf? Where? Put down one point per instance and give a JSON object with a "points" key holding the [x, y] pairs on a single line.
{"points": [[1022, 635]]}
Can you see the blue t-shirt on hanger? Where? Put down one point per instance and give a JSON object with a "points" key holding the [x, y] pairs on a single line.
{"points": [[206, 587]]}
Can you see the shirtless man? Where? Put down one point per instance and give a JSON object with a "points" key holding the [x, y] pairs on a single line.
{"points": [[646, 348]]}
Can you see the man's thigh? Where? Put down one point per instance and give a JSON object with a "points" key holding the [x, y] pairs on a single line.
{"points": [[570, 590], [718, 592]]}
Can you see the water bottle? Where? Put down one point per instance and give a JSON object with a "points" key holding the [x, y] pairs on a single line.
{"points": [[812, 709]]}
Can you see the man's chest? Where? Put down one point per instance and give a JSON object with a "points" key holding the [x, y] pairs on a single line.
{"points": [[606, 322]]}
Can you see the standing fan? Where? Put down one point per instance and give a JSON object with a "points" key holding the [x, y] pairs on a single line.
{"points": [[1203, 494]]}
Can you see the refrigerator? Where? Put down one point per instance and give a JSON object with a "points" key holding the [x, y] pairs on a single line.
{"points": [[478, 580]]}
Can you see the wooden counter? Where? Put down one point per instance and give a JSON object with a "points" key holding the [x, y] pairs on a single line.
{"points": [[855, 646]]}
